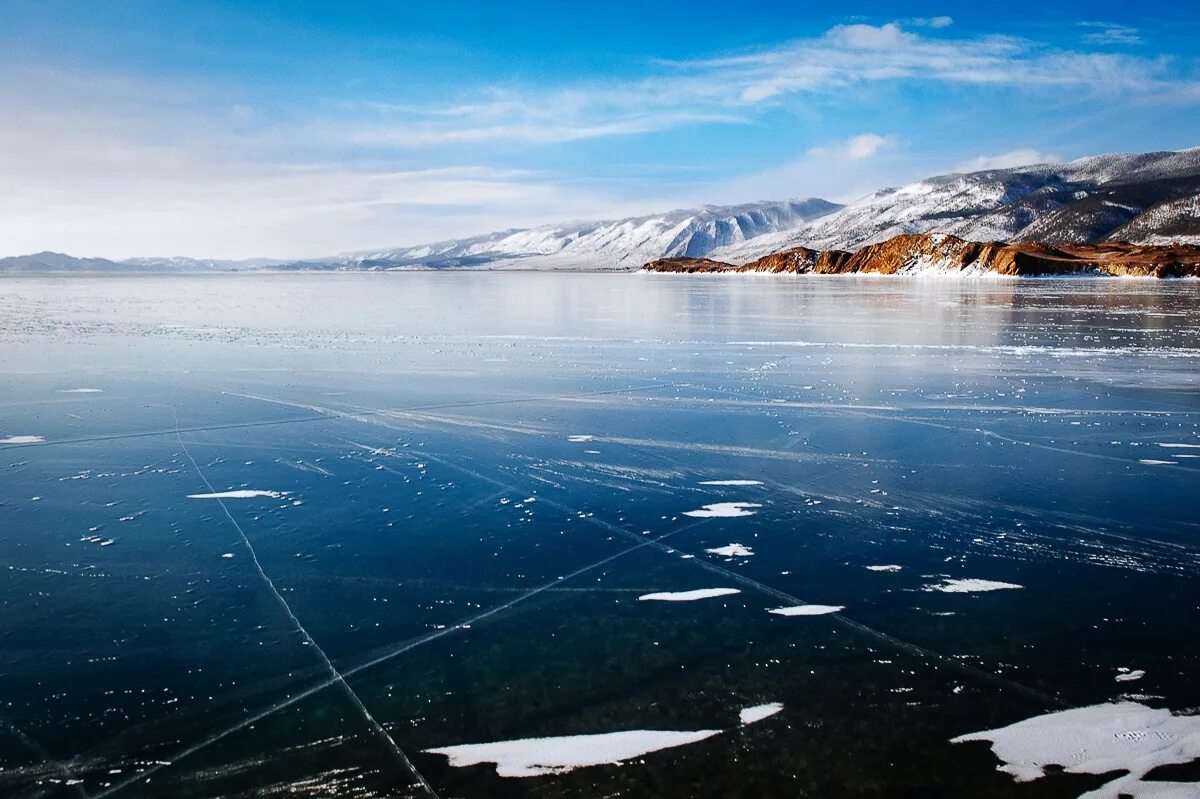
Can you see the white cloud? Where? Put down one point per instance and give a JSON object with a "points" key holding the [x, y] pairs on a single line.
{"points": [[840, 171], [1106, 33], [930, 22], [1007, 160], [736, 88]]}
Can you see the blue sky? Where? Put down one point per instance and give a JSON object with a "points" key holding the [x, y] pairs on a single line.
{"points": [[290, 129]]}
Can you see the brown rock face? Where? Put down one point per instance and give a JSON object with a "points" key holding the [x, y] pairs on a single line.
{"points": [[920, 252]]}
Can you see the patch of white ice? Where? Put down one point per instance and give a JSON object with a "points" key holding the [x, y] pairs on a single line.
{"points": [[22, 440], [1180, 446], [242, 493], [1125, 736], [81, 391], [750, 715], [1128, 675], [532, 757], [888, 568], [724, 510], [970, 585], [689, 596], [732, 551], [808, 610], [1153, 462], [731, 482], [579, 439]]}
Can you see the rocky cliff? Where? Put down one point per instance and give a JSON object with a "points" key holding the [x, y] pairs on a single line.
{"points": [[924, 253]]}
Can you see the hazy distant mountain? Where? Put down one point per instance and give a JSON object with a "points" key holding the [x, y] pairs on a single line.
{"points": [[1151, 198], [613, 244], [1148, 198]]}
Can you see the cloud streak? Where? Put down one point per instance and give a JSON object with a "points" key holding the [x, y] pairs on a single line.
{"points": [[738, 88]]}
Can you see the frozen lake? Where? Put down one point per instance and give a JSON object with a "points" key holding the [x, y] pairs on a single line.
{"points": [[482, 535]]}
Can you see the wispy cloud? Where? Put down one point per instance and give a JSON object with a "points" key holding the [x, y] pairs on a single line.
{"points": [[1104, 33], [738, 88], [1006, 160]]}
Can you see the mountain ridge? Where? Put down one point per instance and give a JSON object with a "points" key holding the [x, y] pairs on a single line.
{"points": [[1143, 198]]}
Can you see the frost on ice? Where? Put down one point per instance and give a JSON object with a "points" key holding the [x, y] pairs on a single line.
{"points": [[1126, 736]]}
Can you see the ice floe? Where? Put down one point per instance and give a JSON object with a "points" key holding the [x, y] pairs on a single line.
{"points": [[579, 439], [689, 596], [750, 715], [970, 585], [1101, 739], [724, 510], [1180, 446], [22, 440], [1129, 675], [534, 757], [731, 482], [1154, 462], [241, 493], [732, 551], [808, 610], [81, 391], [891, 567]]}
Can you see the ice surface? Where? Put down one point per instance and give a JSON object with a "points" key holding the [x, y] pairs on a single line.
{"points": [[807, 610], [82, 391], [1125, 736], [885, 568], [970, 585], [689, 596], [724, 509], [731, 482]]}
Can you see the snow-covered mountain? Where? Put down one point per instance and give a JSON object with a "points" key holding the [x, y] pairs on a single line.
{"points": [[614, 244], [1150, 198], [1143, 198]]}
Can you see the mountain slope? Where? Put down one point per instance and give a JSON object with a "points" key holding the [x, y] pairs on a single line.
{"points": [[616, 244], [1089, 200]]}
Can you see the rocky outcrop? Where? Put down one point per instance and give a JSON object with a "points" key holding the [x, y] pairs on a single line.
{"points": [[923, 253]]}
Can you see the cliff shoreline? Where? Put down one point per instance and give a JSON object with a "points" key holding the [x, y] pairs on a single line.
{"points": [[924, 253]]}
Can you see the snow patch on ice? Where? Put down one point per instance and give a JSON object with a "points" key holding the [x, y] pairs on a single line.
{"points": [[1125, 736], [242, 493], [724, 510], [750, 715], [22, 440], [808, 610], [688, 596], [732, 551], [532, 757], [1128, 675], [970, 585]]}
